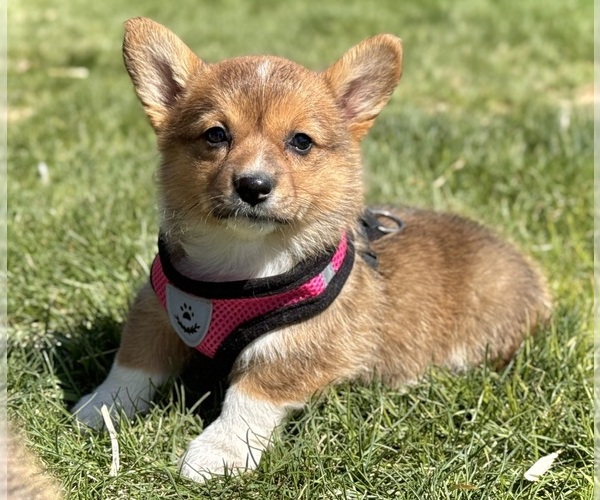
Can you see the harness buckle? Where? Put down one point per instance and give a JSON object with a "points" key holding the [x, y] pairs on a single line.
{"points": [[373, 229], [399, 223]]}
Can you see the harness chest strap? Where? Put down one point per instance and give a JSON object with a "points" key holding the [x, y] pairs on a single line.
{"points": [[222, 318]]}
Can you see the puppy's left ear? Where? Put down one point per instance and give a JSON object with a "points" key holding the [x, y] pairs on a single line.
{"points": [[363, 80]]}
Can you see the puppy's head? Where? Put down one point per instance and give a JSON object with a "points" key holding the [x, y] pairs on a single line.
{"points": [[258, 146]]}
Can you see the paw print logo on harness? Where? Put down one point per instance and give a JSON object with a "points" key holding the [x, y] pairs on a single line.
{"points": [[187, 317]]}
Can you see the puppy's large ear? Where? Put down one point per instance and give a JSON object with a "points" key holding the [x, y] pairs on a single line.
{"points": [[159, 65], [363, 80]]}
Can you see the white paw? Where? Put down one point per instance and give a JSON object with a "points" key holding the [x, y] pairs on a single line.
{"points": [[125, 390], [213, 454], [87, 409], [235, 441]]}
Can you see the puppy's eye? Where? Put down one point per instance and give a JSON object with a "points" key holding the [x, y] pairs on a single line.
{"points": [[301, 143], [216, 135]]}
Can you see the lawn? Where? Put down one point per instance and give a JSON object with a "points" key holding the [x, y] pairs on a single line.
{"points": [[493, 119]]}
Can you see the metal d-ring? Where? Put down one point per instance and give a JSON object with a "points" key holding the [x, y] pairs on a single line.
{"points": [[388, 215]]}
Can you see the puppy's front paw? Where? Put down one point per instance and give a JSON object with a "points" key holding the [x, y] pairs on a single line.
{"points": [[87, 409], [236, 440], [211, 454], [125, 390]]}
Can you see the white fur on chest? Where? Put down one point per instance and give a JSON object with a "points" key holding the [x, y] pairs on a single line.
{"points": [[225, 255]]}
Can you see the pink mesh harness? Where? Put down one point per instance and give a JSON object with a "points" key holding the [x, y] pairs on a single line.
{"points": [[206, 321]]}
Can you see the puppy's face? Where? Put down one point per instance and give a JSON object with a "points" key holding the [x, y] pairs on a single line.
{"points": [[258, 146]]}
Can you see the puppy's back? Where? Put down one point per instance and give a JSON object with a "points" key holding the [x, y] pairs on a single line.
{"points": [[457, 294]]}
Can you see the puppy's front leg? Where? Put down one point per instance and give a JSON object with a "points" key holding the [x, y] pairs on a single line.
{"points": [[236, 440], [273, 376], [150, 352]]}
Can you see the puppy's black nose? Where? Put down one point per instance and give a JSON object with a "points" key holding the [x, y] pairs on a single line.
{"points": [[253, 188]]}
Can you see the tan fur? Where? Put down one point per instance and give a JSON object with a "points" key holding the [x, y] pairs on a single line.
{"points": [[163, 352], [357, 76], [447, 291], [448, 285], [25, 477]]}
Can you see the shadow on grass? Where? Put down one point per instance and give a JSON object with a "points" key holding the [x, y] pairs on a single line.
{"points": [[82, 357]]}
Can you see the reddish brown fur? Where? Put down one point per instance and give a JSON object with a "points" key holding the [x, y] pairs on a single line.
{"points": [[258, 121], [443, 284], [447, 291]]}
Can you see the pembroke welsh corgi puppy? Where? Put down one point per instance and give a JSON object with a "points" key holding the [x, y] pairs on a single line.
{"points": [[270, 266]]}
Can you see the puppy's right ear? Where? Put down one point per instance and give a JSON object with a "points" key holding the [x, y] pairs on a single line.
{"points": [[159, 65]]}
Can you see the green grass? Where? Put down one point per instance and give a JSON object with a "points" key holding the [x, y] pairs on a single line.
{"points": [[493, 119]]}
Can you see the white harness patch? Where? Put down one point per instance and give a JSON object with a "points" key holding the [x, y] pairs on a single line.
{"points": [[190, 316]]}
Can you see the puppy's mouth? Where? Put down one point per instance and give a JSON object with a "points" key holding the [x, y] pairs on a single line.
{"points": [[257, 216]]}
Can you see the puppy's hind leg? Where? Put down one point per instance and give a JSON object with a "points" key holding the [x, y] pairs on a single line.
{"points": [[150, 352]]}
